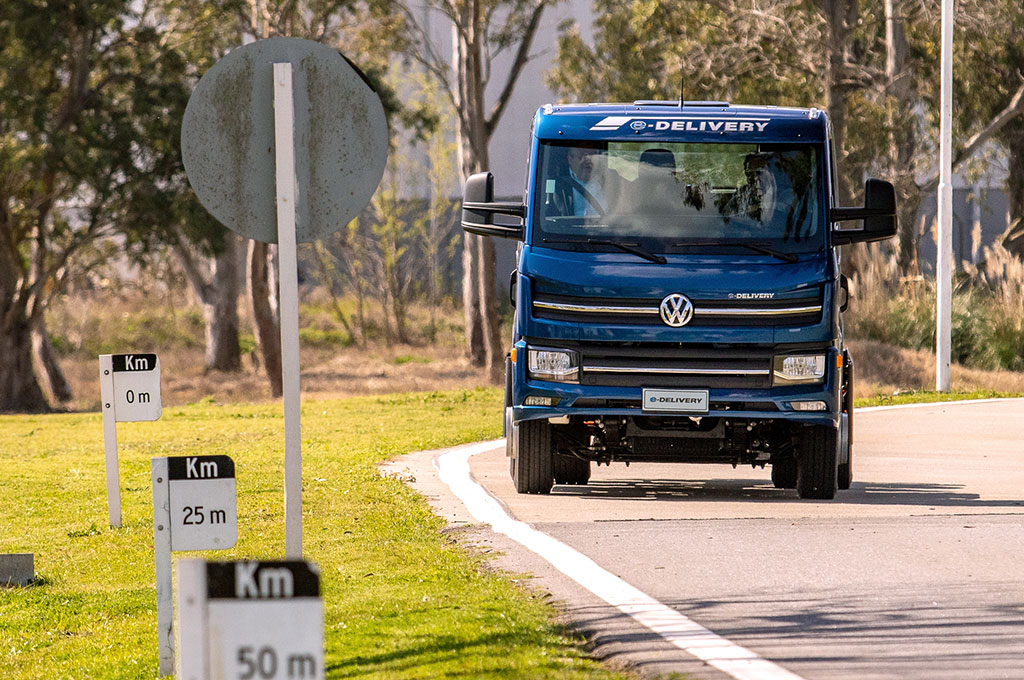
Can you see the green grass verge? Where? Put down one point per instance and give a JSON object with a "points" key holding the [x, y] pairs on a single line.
{"points": [[926, 396], [401, 599]]}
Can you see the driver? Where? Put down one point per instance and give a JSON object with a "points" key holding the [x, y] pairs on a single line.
{"points": [[757, 197], [594, 184]]}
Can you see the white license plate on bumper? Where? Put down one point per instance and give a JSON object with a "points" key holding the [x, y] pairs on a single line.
{"points": [[676, 401]]}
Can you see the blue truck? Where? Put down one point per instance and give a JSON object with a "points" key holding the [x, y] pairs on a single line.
{"points": [[678, 293]]}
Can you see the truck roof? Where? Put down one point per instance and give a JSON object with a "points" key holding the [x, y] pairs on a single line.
{"points": [[696, 121]]}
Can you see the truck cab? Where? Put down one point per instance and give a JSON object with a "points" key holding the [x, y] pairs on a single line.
{"points": [[678, 296]]}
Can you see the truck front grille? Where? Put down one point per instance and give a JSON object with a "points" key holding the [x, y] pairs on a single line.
{"points": [[592, 403], [801, 311], [675, 366]]}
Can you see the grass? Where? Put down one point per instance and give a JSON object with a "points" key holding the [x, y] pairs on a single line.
{"points": [[402, 598], [928, 397]]}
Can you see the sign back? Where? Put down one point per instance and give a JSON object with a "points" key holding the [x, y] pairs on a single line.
{"points": [[228, 146]]}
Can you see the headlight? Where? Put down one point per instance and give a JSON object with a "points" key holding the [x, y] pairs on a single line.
{"points": [[557, 365], [799, 369]]}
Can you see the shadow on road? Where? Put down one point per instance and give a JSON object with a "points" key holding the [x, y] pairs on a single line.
{"points": [[960, 631], [740, 490]]}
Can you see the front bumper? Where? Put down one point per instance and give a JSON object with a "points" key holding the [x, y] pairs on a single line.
{"points": [[764, 403]]}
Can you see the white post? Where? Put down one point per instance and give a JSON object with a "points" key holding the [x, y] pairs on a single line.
{"points": [[284, 138], [162, 558], [110, 440], [944, 245], [192, 631]]}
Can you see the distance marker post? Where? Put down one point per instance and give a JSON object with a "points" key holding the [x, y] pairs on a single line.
{"points": [[195, 507], [129, 391], [250, 620]]}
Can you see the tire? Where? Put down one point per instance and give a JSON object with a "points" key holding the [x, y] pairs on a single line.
{"points": [[569, 469], [506, 431], [532, 458], [845, 469], [846, 428], [784, 473], [818, 468]]}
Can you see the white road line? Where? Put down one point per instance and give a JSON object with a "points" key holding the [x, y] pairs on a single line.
{"points": [[691, 637], [923, 404]]}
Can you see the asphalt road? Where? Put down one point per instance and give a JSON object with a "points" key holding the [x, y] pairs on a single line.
{"points": [[916, 572]]}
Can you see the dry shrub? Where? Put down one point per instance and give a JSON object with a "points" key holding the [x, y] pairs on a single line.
{"points": [[987, 315]]}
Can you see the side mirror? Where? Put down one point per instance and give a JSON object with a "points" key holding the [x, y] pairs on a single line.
{"points": [[479, 209], [878, 214]]}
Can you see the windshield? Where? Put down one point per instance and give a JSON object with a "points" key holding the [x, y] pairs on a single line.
{"points": [[669, 197]]}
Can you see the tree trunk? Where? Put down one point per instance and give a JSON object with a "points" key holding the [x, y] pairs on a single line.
{"points": [[909, 200], [221, 309], [903, 139], [55, 381], [264, 313], [1013, 138], [495, 356], [19, 387], [217, 291], [840, 16], [469, 120], [483, 336], [471, 300]]}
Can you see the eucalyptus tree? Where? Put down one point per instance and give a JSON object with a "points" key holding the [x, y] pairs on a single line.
{"points": [[481, 32], [91, 97], [990, 88], [362, 29]]}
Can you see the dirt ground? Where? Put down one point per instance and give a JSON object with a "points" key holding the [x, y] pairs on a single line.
{"points": [[884, 369], [325, 375], [881, 369]]}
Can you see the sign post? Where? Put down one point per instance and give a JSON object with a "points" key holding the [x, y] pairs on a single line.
{"points": [[284, 138], [284, 141], [250, 620], [129, 391], [194, 508]]}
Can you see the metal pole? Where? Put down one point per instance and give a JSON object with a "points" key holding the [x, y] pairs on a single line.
{"points": [[110, 440], [284, 138], [162, 558], [193, 653], [944, 245]]}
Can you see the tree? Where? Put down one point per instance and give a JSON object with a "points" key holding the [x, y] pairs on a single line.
{"points": [[435, 230], [481, 31], [216, 280], [90, 99], [990, 87], [362, 27], [871, 63], [210, 256]]}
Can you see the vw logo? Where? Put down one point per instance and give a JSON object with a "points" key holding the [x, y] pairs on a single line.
{"points": [[676, 310], [638, 125]]}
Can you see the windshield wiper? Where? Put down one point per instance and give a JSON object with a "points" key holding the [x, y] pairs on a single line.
{"points": [[756, 247], [631, 248]]}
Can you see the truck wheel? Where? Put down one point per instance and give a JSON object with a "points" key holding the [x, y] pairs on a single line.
{"points": [[571, 470], [506, 432], [818, 468], [532, 464], [784, 473], [846, 427], [845, 474]]}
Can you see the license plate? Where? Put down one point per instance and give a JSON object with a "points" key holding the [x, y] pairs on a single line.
{"points": [[676, 401]]}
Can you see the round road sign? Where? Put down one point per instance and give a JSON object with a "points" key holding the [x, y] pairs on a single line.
{"points": [[227, 139]]}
